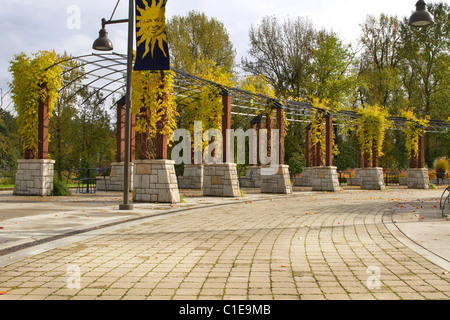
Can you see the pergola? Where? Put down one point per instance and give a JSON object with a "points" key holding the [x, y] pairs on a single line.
{"points": [[106, 73]]}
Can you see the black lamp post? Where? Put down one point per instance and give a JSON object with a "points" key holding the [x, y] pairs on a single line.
{"points": [[104, 44], [421, 17]]}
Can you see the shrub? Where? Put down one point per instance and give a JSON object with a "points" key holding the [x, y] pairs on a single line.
{"points": [[441, 164], [60, 189]]}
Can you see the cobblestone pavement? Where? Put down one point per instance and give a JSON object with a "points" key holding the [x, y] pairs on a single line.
{"points": [[304, 246]]}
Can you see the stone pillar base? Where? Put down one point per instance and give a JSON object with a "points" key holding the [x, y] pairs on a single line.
{"points": [[355, 180], [371, 178], [192, 177], [278, 182], [221, 180], [155, 181], [116, 178], [417, 178], [34, 177], [252, 178], [324, 179], [306, 176]]}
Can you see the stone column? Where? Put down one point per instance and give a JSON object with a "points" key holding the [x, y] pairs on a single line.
{"points": [[34, 177], [192, 177], [279, 182], [324, 178], [417, 176], [155, 181], [371, 178], [221, 180]]}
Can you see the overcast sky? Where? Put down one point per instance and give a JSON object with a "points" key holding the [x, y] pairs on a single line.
{"points": [[72, 26]]}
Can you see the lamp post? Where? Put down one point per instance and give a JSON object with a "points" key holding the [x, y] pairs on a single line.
{"points": [[104, 44], [421, 17]]}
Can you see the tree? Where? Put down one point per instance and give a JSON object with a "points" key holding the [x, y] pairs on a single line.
{"points": [[196, 36], [426, 74], [379, 72], [333, 77], [61, 148], [91, 135], [10, 143], [301, 62], [282, 52], [425, 60]]}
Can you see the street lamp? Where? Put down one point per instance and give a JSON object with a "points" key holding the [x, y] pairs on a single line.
{"points": [[421, 17], [104, 44]]}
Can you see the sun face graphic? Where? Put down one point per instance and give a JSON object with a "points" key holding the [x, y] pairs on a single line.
{"points": [[152, 26]]}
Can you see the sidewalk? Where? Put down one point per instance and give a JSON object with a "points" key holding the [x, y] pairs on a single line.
{"points": [[303, 246]]}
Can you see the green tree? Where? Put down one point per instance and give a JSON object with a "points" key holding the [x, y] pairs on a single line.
{"points": [[425, 61], [196, 35], [299, 61], [426, 74], [334, 77], [60, 147], [91, 134], [282, 52], [10, 142], [379, 72]]}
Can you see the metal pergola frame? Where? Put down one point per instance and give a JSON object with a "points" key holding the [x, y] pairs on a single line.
{"points": [[106, 72]]}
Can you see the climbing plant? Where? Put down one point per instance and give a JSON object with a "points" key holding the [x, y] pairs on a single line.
{"points": [[322, 107], [36, 79], [153, 101], [413, 130], [371, 125]]}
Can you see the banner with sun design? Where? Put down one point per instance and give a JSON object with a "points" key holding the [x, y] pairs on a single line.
{"points": [[151, 38]]}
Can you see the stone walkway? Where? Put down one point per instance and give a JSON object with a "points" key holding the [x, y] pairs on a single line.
{"points": [[308, 246]]}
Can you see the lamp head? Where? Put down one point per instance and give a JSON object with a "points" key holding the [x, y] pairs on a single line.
{"points": [[103, 43], [421, 17]]}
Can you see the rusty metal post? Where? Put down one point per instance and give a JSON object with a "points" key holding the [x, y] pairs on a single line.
{"points": [[120, 131], [281, 125], [308, 146], [329, 140], [226, 126], [375, 157], [161, 138], [43, 127], [413, 160], [421, 161], [360, 157]]}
